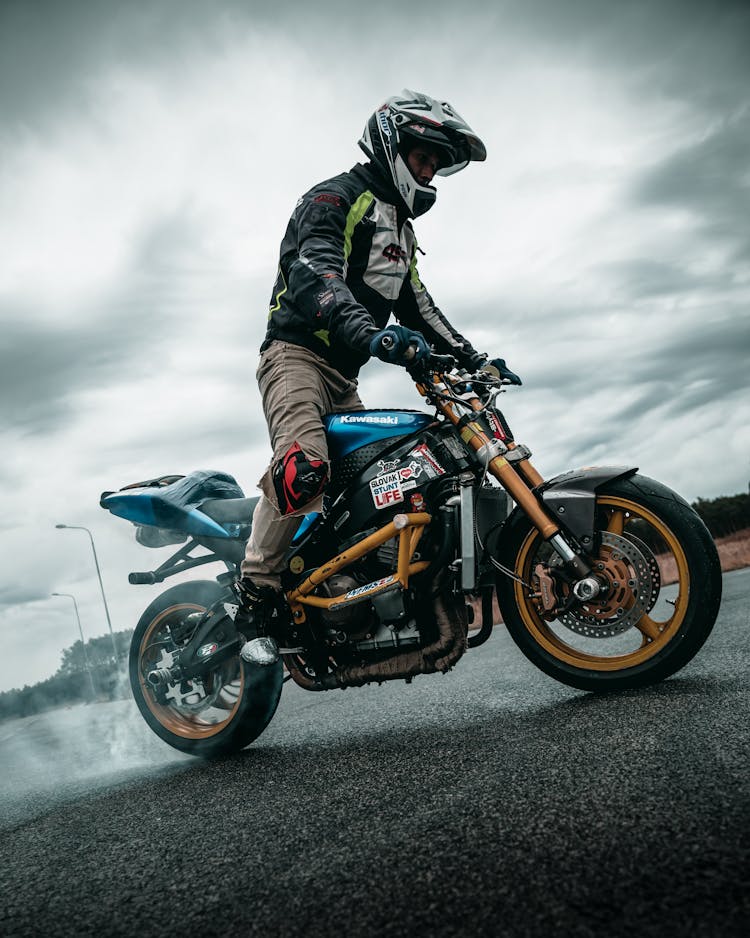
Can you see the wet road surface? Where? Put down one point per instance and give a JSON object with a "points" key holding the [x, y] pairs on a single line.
{"points": [[489, 801]]}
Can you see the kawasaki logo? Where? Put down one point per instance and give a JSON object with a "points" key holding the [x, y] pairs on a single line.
{"points": [[352, 418]]}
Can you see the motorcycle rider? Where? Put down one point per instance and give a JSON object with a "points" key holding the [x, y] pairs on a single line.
{"points": [[348, 260]]}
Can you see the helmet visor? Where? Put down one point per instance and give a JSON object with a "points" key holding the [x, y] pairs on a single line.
{"points": [[453, 147]]}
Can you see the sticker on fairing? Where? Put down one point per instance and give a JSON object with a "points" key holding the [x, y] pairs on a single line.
{"points": [[497, 427], [386, 490], [412, 471], [387, 465], [428, 462], [407, 474]]}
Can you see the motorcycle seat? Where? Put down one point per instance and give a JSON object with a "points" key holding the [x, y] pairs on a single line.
{"points": [[230, 510]]}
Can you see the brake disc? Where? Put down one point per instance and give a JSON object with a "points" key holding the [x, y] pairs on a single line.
{"points": [[633, 582], [653, 569]]}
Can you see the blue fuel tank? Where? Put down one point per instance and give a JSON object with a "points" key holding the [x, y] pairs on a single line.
{"points": [[353, 429]]}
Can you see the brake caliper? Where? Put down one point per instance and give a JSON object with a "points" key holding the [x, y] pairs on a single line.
{"points": [[545, 596]]}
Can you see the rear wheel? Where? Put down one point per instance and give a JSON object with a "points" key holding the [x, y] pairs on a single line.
{"points": [[211, 716], [661, 598]]}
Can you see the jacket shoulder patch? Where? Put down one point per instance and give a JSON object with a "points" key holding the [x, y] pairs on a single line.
{"points": [[328, 198]]}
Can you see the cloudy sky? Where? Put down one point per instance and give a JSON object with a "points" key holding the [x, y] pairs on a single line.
{"points": [[150, 155]]}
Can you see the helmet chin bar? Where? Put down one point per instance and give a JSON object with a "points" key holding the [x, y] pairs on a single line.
{"points": [[417, 198]]}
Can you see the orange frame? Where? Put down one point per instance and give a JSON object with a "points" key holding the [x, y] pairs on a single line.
{"points": [[408, 527]]}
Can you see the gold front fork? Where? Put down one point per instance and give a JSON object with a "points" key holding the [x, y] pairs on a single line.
{"points": [[517, 482], [518, 488]]}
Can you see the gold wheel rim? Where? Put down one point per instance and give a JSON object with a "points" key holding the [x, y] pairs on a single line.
{"points": [[655, 635], [176, 721]]}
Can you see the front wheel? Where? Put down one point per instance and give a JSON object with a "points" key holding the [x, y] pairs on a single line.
{"points": [[216, 715], [662, 592]]}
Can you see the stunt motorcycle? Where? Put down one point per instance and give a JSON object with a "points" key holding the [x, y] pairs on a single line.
{"points": [[604, 578]]}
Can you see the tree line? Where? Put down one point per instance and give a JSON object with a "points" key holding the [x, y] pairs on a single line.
{"points": [[726, 514], [96, 675]]}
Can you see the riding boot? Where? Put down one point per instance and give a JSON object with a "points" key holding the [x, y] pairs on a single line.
{"points": [[254, 611]]}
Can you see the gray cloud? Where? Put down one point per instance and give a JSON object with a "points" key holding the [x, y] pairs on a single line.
{"points": [[677, 357], [710, 179], [640, 278], [51, 50], [44, 365], [712, 351], [684, 49], [18, 594], [696, 367]]}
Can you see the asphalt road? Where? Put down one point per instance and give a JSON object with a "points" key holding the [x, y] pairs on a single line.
{"points": [[489, 801]]}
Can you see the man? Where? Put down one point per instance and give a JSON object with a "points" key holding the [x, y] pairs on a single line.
{"points": [[347, 262]]}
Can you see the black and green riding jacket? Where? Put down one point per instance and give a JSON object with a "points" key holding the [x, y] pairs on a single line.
{"points": [[348, 261]]}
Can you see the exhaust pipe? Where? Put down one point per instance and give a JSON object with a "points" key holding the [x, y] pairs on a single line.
{"points": [[162, 676]]}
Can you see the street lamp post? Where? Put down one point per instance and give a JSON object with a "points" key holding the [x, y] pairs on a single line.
{"points": [[83, 642], [78, 527]]}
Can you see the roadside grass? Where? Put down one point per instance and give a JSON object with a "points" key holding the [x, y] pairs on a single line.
{"points": [[734, 553]]}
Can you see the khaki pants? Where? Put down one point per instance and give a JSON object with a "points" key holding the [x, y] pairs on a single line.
{"points": [[298, 388]]}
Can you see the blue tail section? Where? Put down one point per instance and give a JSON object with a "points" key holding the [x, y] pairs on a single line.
{"points": [[147, 507], [174, 502]]}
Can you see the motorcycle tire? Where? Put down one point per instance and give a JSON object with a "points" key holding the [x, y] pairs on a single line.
{"points": [[208, 718], [664, 590]]}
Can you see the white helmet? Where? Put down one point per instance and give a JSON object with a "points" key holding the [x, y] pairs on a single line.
{"points": [[405, 121]]}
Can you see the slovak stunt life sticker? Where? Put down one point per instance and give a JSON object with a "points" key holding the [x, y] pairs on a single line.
{"points": [[391, 483], [386, 490]]}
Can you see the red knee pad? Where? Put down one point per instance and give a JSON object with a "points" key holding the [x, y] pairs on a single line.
{"points": [[297, 480]]}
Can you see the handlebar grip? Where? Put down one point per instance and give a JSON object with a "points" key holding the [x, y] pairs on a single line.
{"points": [[388, 342]]}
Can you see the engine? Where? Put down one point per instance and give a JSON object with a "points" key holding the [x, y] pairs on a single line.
{"points": [[370, 625], [353, 620]]}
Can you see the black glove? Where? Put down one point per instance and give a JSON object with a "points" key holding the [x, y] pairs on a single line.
{"points": [[497, 368], [392, 344]]}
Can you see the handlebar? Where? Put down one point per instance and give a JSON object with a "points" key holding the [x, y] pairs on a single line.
{"points": [[434, 362], [431, 364], [441, 362]]}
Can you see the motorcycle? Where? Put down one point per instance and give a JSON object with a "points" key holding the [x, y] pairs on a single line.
{"points": [[605, 579]]}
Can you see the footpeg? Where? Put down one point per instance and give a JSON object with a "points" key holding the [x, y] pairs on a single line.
{"points": [[262, 650]]}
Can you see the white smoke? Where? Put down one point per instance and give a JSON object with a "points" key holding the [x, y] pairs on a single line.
{"points": [[55, 757]]}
